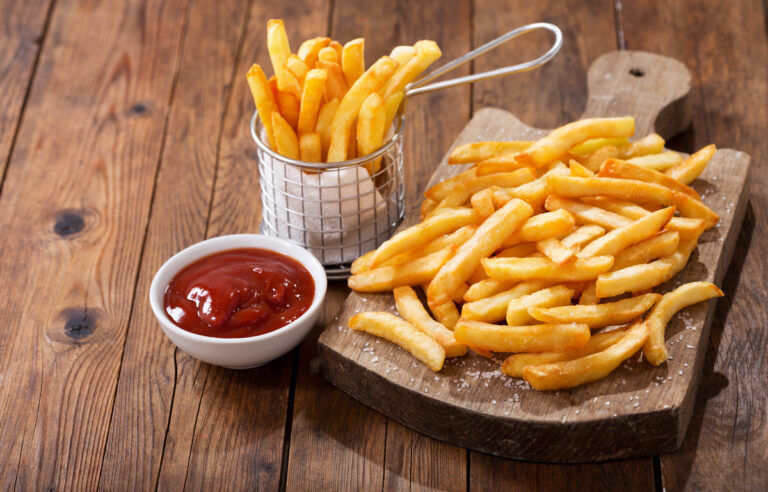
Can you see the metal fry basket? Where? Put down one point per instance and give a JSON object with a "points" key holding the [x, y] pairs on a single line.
{"points": [[340, 211]]}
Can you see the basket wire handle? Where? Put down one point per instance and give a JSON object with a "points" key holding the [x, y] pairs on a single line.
{"points": [[417, 87]]}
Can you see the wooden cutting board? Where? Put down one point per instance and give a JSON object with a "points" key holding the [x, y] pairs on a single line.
{"points": [[637, 410]]}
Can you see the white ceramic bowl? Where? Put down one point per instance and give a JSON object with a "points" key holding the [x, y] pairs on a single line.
{"points": [[238, 353]]}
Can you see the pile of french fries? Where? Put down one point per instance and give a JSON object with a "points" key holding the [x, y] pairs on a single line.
{"points": [[322, 105], [552, 263]]}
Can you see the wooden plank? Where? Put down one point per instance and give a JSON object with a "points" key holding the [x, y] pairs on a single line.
{"points": [[22, 30], [151, 369], [727, 441], [432, 122], [73, 211], [389, 380]]}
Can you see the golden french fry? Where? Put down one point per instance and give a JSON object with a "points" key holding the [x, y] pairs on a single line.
{"points": [[455, 239], [370, 129], [311, 98], [650, 144], [514, 365], [544, 269], [599, 315], [480, 151], [461, 193], [310, 48], [619, 239], [264, 99], [392, 106], [426, 53], [446, 313], [589, 295], [297, 67], [440, 190], [335, 83], [541, 227], [414, 273], [654, 350], [369, 82], [288, 105], [410, 308], [568, 136], [362, 263], [657, 162], [592, 145], [402, 54], [285, 138], [328, 54], [582, 235], [657, 246], [534, 192], [427, 206], [324, 120], [279, 51], [593, 367], [423, 233], [482, 202], [338, 47], [690, 168], [485, 241], [400, 332], [634, 190], [493, 308], [616, 168], [498, 164], [587, 214], [556, 251], [310, 148], [517, 309], [596, 159], [644, 276], [579, 171], [353, 60], [530, 338]]}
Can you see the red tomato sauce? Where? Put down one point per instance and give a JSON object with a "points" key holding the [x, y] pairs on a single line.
{"points": [[239, 293]]}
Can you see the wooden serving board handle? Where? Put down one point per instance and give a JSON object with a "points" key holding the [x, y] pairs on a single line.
{"points": [[638, 409]]}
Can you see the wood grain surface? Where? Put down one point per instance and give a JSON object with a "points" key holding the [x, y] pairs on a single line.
{"points": [[102, 110]]}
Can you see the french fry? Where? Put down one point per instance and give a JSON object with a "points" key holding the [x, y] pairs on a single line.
{"points": [[493, 308], [264, 99], [370, 129], [599, 315], [338, 47], [487, 239], [288, 105], [426, 53], [353, 60], [410, 308], [650, 144], [568, 136], [619, 239], [440, 190], [498, 164], [479, 151], [323, 125], [654, 350], [402, 333], [311, 98], [657, 162], [544, 269], [582, 235], [387, 278], [587, 214], [279, 51], [690, 168], [427, 206], [657, 246], [517, 309], [328, 54], [335, 83], [530, 338], [593, 367], [455, 239], [644, 276], [402, 54], [369, 82], [310, 148], [616, 168], [541, 227], [392, 105], [556, 251], [534, 192], [482, 202], [579, 171], [298, 68], [461, 193], [514, 365], [310, 48], [596, 159], [446, 313], [591, 146], [285, 138], [589, 296], [423, 233]]}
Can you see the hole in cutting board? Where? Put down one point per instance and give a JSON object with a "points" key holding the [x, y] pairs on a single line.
{"points": [[636, 72]]}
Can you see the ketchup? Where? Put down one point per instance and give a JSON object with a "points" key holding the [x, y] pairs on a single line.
{"points": [[239, 293]]}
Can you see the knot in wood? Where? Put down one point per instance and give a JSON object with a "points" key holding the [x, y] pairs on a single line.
{"points": [[68, 222]]}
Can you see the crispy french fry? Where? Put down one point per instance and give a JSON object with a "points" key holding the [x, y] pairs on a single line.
{"points": [[579, 171], [494, 307], [369, 82], [440, 190], [619, 239], [353, 60], [657, 246], [461, 193], [556, 251], [324, 120], [654, 350], [583, 235], [589, 296], [423, 233], [568, 136], [392, 106], [593, 367], [279, 51], [335, 83], [479, 151], [427, 206], [485, 241], [298, 68], [455, 239], [285, 138], [616, 168], [370, 129], [587, 214], [328, 54], [514, 364], [690, 168], [426, 53], [592, 145], [446, 313], [517, 309], [289, 107], [482, 202], [544, 269], [498, 164], [599, 315], [596, 159], [650, 144], [310, 48], [310, 148], [657, 162], [402, 333], [410, 308], [264, 99], [531, 338], [541, 227], [338, 47], [534, 192], [402, 54], [414, 273], [311, 98]]}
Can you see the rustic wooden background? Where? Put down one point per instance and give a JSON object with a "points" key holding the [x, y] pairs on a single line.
{"points": [[123, 138]]}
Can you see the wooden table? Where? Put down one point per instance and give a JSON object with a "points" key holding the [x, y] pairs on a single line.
{"points": [[124, 138]]}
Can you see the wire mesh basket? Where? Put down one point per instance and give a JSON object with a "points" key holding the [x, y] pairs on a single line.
{"points": [[337, 211]]}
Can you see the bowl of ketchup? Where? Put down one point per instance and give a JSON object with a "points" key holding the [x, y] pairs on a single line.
{"points": [[238, 301]]}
